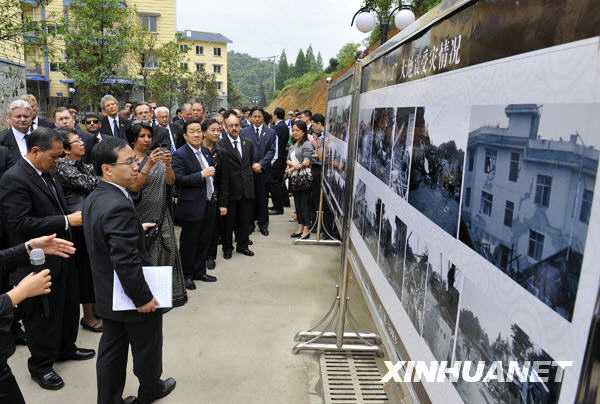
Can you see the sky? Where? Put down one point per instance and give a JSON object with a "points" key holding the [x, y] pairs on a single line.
{"points": [[264, 28]]}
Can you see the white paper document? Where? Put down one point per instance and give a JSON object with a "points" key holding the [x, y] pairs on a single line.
{"points": [[160, 282]]}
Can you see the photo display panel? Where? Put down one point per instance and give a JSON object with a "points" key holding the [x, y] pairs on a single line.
{"points": [[337, 136], [474, 191]]}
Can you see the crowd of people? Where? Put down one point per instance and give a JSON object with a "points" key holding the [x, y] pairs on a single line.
{"points": [[102, 194]]}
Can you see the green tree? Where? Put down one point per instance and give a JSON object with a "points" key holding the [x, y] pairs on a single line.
{"points": [[234, 97], [283, 70], [311, 61], [97, 42], [319, 62], [163, 83], [15, 24], [300, 66], [263, 96], [347, 55], [144, 54]]}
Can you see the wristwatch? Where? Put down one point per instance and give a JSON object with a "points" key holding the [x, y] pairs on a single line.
{"points": [[28, 247]]}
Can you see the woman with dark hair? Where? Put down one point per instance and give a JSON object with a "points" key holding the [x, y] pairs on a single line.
{"points": [[152, 203], [78, 181], [299, 161]]}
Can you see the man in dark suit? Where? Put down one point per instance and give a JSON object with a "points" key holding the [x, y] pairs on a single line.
{"points": [[115, 241], [264, 141], [6, 161], [32, 204], [236, 190], [195, 179], [37, 120], [160, 136], [277, 188], [14, 138], [64, 120], [172, 134], [112, 125]]}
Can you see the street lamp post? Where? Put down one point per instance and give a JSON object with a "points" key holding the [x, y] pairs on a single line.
{"points": [[366, 20]]}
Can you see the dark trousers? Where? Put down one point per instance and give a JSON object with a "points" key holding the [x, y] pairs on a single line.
{"points": [[208, 238], [277, 188], [51, 338], [238, 219], [302, 205], [146, 340], [261, 201], [9, 389], [190, 248], [216, 236]]}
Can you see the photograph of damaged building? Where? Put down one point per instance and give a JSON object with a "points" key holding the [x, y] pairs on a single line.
{"points": [[528, 189]]}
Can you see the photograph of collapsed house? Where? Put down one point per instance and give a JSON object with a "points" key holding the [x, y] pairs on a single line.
{"points": [[416, 267], [441, 306], [392, 244], [365, 138], [339, 122], [360, 207], [335, 171], [381, 150], [437, 167], [528, 190], [485, 334], [401, 150]]}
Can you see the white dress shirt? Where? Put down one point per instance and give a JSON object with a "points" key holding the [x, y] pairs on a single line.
{"points": [[21, 142], [239, 143], [210, 187]]}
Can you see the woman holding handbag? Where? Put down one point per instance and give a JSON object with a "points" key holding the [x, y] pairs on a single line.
{"points": [[152, 204], [299, 175]]}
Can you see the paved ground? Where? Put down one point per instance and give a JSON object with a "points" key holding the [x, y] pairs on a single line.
{"points": [[232, 342]]}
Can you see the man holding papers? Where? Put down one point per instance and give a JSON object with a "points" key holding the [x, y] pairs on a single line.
{"points": [[115, 241]]}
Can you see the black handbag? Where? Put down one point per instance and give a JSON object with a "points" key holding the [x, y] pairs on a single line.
{"points": [[301, 180]]}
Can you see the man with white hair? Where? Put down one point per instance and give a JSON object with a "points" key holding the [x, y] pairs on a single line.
{"points": [[36, 119], [112, 125], [175, 137], [20, 115]]}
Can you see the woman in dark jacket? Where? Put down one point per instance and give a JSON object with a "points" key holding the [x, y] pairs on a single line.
{"points": [[32, 285], [78, 181]]}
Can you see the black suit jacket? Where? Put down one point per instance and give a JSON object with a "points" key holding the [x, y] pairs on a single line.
{"points": [[106, 128], [45, 123], [236, 176], [30, 210], [160, 136], [7, 139], [6, 160], [115, 241], [264, 147], [283, 136], [191, 185]]}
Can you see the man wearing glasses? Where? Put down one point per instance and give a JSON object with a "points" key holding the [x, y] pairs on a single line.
{"points": [[93, 125]]}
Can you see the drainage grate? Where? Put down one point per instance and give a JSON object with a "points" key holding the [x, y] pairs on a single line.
{"points": [[351, 378]]}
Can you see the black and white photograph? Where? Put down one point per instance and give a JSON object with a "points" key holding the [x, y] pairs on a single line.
{"points": [[365, 138], [528, 190], [335, 171], [381, 149], [486, 333], [444, 284], [338, 120], [360, 207], [416, 267], [392, 245], [436, 169], [401, 150]]}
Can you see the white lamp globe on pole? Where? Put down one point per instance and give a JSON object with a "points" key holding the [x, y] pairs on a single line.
{"points": [[404, 18], [365, 22]]}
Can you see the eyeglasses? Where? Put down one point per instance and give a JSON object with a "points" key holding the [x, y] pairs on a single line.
{"points": [[92, 122], [76, 141], [129, 162]]}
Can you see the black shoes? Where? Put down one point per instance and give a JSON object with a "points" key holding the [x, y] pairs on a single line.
{"points": [[250, 242], [189, 284], [79, 354], [129, 400], [207, 278], [168, 385], [227, 254], [305, 237], [296, 235], [245, 251], [49, 381], [211, 264], [264, 231], [273, 211]]}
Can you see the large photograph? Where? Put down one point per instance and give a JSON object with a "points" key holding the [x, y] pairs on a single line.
{"points": [[365, 138], [436, 169], [392, 244], [360, 207], [381, 149], [335, 171], [367, 216], [444, 286], [486, 333], [338, 121], [401, 150], [528, 190], [416, 268]]}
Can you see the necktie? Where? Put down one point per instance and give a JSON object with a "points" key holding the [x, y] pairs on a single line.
{"points": [[257, 134], [210, 189], [50, 184], [116, 128], [235, 145]]}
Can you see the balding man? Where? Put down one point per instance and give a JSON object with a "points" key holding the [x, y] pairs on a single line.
{"points": [[20, 115]]}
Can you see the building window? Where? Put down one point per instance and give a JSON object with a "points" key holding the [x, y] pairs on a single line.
{"points": [[219, 85], [149, 22], [199, 50], [471, 160], [504, 257], [490, 161], [183, 66], [543, 189], [509, 211], [487, 201], [513, 172], [216, 69], [199, 67], [217, 51], [183, 48], [586, 206], [467, 197], [536, 245], [150, 61]]}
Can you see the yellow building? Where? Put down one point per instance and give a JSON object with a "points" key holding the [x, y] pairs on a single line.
{"points": [[207, 51], [44, 78]]}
